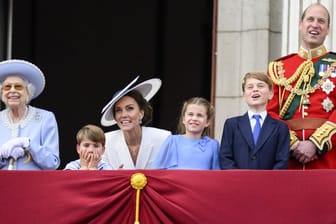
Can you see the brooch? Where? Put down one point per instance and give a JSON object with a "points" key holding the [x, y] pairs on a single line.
{"points": [[37, 117], [327, 104], [328, 86]]}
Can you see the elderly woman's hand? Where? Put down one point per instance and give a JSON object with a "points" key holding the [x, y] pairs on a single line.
{"points": [[14, 147], [6, 149], [17, 152]]}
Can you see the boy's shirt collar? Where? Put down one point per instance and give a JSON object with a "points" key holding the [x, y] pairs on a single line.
{"points": [[262, 114]]}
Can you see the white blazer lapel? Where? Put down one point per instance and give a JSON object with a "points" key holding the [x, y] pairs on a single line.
{"points": [[123, 153], [145, 151]]}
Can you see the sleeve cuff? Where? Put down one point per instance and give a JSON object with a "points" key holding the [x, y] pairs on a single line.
{"points": [[293, 139], [322, 137]]}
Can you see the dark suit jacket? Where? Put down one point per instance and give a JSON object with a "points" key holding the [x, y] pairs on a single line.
{"points": [[237, 150]]}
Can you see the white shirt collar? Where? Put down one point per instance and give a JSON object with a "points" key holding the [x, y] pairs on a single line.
{"points": [[262, 114]]}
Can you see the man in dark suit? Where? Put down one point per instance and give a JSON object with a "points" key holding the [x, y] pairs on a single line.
{"points": [[255, 140]]}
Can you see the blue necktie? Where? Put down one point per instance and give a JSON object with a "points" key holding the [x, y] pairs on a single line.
{"points": [[257, 128]]}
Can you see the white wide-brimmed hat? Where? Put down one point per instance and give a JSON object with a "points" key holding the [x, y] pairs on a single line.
{"points": [[25, 70], [147, 89]]}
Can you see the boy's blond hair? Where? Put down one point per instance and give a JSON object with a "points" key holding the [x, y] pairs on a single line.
{"points": [[260, 76], [91, 132]]}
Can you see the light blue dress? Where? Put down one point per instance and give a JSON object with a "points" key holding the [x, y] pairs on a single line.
{"points": [[180, 152], [75, 165], [40, 127]]}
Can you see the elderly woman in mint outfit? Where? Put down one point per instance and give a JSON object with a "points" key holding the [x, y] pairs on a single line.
{"points": [[29, 136]]}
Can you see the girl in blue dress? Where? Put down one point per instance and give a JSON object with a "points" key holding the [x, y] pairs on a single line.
{"points": [[191, 148]]}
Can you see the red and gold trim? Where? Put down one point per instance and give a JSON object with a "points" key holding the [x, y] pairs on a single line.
{"points": [[322, 136]]}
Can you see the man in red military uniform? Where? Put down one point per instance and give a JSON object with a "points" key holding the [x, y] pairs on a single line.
{"points": [[305, 94]]}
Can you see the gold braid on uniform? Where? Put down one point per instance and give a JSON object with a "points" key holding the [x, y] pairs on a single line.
{"points": [[293, 139], [322, 137], [303, 74]]}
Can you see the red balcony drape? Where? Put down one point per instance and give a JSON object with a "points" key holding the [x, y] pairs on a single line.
{"points": [[174, 196]]}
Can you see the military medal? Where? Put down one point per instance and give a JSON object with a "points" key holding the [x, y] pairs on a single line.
{"points": [[333, 72], [327, 104], [328, 86], [323, 68]]}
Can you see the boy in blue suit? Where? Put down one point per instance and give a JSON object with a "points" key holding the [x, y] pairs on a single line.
{"points": [[255, 143]]}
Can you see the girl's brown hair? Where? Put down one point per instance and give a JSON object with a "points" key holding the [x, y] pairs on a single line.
{"points": [[198, 101]]}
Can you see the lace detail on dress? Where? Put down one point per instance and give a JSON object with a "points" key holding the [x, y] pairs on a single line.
{"points": [[14, 127]]}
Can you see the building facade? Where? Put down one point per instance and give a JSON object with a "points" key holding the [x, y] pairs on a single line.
{"points": [[250, 34]]}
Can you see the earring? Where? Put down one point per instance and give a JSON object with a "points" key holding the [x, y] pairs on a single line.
{"points": [[140, 121]]}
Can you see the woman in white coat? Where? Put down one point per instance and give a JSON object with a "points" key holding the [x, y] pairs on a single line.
{"points": [[133, 146]]}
